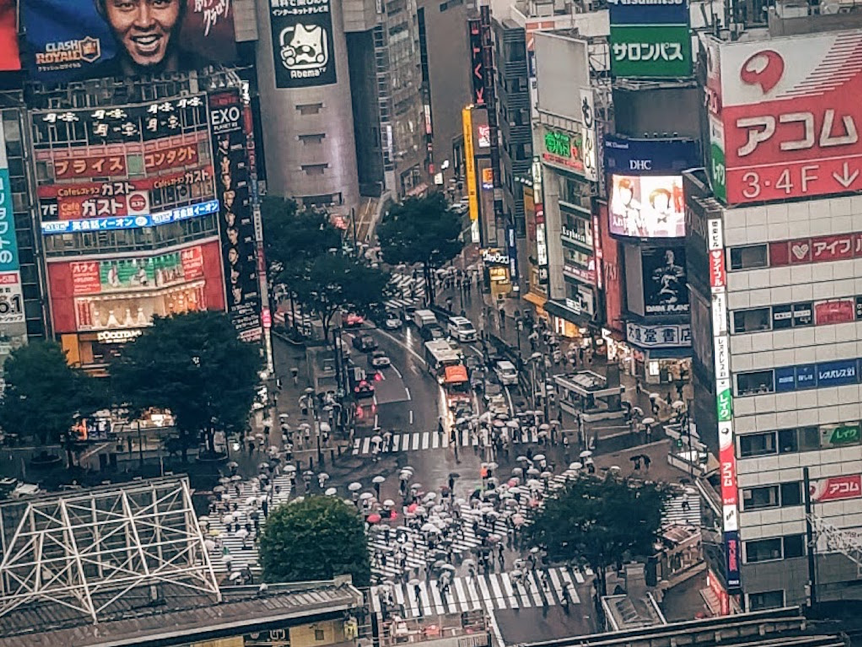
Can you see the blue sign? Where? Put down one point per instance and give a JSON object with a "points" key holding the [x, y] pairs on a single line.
{"points": [[806, 376], [8, 240], [785, 379], [648, 12], [732, 556], [130, 222], [650, 156], [836, 373]]}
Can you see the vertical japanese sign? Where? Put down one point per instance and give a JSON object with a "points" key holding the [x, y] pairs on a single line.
{"points": [[11, 297], [724, 400], [588, 135], [477, 63], [302, 43], [236, 224], [470, 170], [650, 40]]}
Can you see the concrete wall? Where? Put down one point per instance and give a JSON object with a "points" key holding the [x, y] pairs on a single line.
{"points": [[284, 124]]}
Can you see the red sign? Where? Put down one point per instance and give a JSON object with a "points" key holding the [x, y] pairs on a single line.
{"points": [[792, 116], [193, 263], [96, 166], [85, 278], [834, 312], [717, 272], [266, 318], [837, 488], [160, 160]]}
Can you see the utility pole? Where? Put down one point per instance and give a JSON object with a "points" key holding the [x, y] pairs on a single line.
{"points": [[809, 539]]}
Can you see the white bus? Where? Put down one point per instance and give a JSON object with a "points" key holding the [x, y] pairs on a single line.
{"points": [[438, 355]]}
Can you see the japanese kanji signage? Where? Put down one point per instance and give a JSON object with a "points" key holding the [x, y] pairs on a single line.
{"points": [[667, 336], [785, 117], [563, 149], [650, 51], [302, 43]]}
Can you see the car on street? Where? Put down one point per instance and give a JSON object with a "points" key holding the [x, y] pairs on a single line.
{"points": [[379, 359], [364, 343], [507, 373], [492, 388], [392, 321], [353, 320], [430, 333], [477, 380], [472, 362], [364, 389], [497, 404], [461, 329]]}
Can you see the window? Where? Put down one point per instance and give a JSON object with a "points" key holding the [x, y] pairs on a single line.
{"points": [[766, 600], [751, 320], [791, 494], [757, 444], [319, 635], [312, 139], [762, 550], [794, 546], [755, 383], [759, 498], [746, 258], [796, 440], [314, 169], [309, 108]]}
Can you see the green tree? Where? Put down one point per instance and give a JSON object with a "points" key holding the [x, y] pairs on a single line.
{"points": [[44, 394], [600, 521], [333, 283], [315, 539], [194, 365], [421, 230]]}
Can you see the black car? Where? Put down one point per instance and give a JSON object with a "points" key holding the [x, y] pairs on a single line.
{"points": [[364, 389], [364, 343], [432, 332]]}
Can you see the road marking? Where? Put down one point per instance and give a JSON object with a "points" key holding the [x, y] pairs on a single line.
{"points": [[397, 372], [403, 345], [415, 369], [416, 439], [498, 594], [375, 421], [374, 400], [407, 391], [411, 416], [513, 601], [509, 397]]}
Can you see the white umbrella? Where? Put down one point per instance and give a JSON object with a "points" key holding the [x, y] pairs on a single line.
{"points": [[378, 479], [323, 476], [430, 527], [678, 404], [376, 439], [654, 396], [355, 486], [649, 421], [513, 424], [546, 475], [331, 491], [430, 496], [209, 544], [235, 576], [290, 469], [539, 457], [492, 466], [365, 496], [324, 426], [242, 533], [586, 453], [228, 518], [486, 417], [388, 503], [575, 466]]}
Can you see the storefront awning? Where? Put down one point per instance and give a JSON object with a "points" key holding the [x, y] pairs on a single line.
{"points": [[562, 311], [665, 353], [536, 299]]}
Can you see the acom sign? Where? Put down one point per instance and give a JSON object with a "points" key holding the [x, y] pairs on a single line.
{"points": [[785, 117]]}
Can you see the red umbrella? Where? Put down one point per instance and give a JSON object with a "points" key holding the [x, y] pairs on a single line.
{"points": [[412, 507], [373, 518]]}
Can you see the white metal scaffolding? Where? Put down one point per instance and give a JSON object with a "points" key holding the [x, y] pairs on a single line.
{"points": [[84, 550]]}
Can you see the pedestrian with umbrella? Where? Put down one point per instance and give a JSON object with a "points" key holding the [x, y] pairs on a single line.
{"points": [[376, 481]]}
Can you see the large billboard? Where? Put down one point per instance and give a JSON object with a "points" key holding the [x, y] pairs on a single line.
{"points": [[649, 156], [9, 56], [235, 216], [664, 281], [123, 167], [125, 293], [785, 116], [70, 40], [302, 43], [11, 294], [647, 206], [650, 39]]}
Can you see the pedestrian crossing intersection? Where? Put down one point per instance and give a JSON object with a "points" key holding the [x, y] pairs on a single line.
{"points": [[491, 591], [230, 546], [423, 440], [411, 291]]}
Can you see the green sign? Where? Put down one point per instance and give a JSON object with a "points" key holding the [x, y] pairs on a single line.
{"points": [[564, 149], [846, 435], [724, 403], [650, 51], [718, 169]]}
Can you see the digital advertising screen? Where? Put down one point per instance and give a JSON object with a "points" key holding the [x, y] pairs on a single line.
{"points": [[71, 40], [647, 206], [664, 281], [302, 43]]}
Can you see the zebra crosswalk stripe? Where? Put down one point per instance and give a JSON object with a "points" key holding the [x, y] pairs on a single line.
{"points": [[426, 440], [492, 591]]}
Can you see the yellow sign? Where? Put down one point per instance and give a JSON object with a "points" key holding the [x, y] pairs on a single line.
{"points": [[470, 162]]}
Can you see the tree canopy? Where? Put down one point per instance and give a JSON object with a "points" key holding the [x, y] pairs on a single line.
{"points": [[421, 230], [44, 394], [600, 521], [195, 365], [317, 538]]}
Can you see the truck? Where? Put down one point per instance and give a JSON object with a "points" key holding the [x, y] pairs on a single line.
{"points": [[424, 318]]}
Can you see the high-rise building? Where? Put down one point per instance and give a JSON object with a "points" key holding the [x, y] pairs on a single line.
{"points": [[774, 274]]}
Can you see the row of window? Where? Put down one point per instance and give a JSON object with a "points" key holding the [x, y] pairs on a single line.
{"points": [[794, 378], [784, 495], [774, 549], [797, 315], [800, 439]]}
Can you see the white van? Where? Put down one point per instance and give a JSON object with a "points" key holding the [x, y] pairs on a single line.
{"points": [[424, 318], [461, 329]]}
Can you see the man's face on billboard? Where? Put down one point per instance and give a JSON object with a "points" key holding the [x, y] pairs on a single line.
{"points": [[143, 27]]}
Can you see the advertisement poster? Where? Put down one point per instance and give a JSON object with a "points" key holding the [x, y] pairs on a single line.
{"points": [[635, 156], [564, 149], [235, 218], [664, 281], [836, 488], [71, 40], [647, 206], [9, 55], [302, 43], [11, 299], [834, 312], [651, 51], [790, 116]]}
